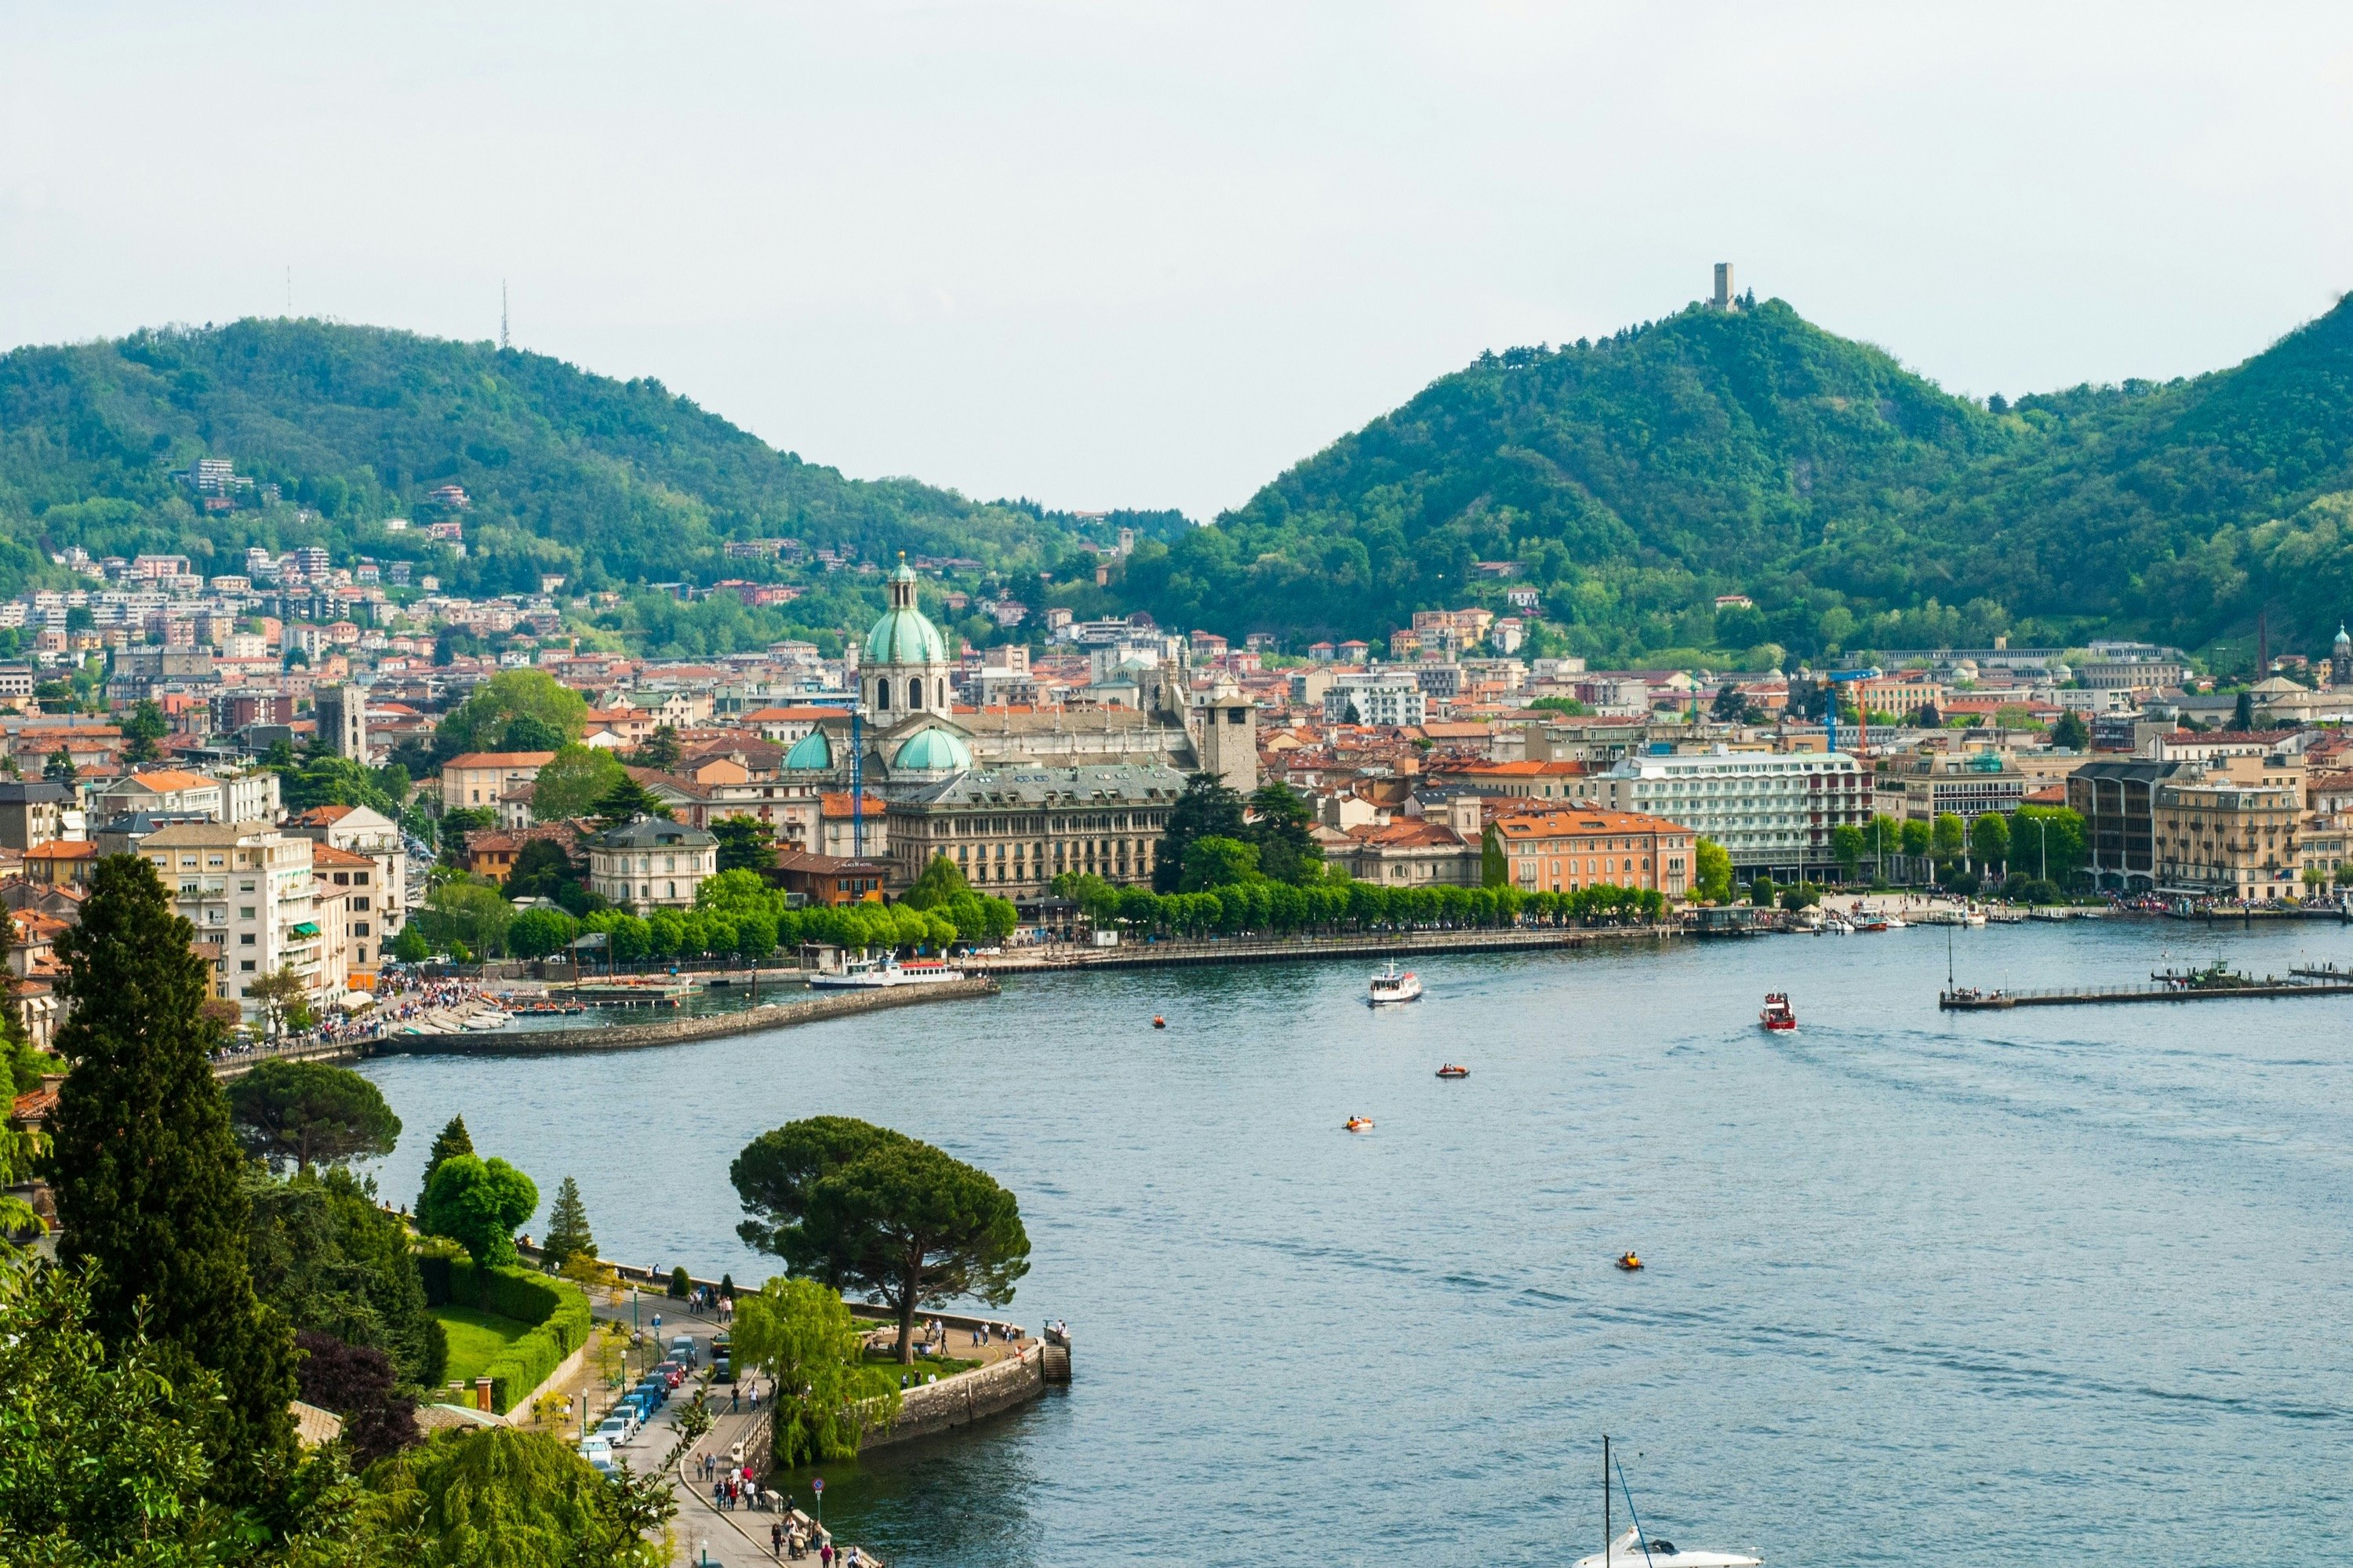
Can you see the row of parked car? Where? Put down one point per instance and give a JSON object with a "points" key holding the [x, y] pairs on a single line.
{"points": [[626, 1419]]}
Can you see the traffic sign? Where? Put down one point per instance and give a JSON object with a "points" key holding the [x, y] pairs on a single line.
{"points": [[817, 1485]]}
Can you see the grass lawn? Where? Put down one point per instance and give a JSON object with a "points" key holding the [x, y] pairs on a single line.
{"points": [[475, 1338], [945, 1366]]}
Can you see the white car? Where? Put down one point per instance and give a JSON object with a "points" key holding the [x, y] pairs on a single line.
{"points": [[615, 1430]]}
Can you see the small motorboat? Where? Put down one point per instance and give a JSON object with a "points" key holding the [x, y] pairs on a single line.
{"points": [[1360, 1124], [1451, 1071], [1391, 986], [1158, 1021], [1777, 1016], [1630, 1263]]}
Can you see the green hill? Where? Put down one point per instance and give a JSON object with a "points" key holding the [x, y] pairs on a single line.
{"points": [[1634, 479], [611, 482]]}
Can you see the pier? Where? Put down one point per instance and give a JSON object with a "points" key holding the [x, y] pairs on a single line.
{"points": [[1374, 945], [1967, 1000], [677, 1030]]}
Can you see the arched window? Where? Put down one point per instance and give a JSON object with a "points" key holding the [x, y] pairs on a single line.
{"points": [[914, 694], [882, 694]]}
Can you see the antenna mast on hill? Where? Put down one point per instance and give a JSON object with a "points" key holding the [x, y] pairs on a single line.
{"points": [[502, 315]]}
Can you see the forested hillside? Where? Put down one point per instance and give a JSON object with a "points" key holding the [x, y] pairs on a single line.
{"points": [[1634, 479], [610, 483]]}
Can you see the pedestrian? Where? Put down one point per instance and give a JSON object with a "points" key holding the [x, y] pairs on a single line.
{"points": [[735, 1399], [825, 1555], [776, 1539]]}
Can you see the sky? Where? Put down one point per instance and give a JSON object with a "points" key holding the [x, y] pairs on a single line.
{"points": [[1152, 254]]}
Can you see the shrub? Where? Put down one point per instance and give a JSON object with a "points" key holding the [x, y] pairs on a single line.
{"points": [[679, 1285], [557, 1309]]}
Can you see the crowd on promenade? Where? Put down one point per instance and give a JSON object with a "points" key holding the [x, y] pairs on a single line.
{"points": [[400, 994]]}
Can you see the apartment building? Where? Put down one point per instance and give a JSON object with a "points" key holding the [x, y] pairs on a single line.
{"points": [[1771, 812], [1377, 697], [249, 887], [649, 864], [1565, 849], [2230, 834], [1921, 786], [477, 779], [363, 831]]}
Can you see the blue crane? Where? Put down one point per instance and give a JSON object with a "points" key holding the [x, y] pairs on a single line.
{"points": [[1862, 716]]}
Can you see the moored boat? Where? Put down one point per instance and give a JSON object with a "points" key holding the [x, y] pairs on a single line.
{"points": [[881, 974]]}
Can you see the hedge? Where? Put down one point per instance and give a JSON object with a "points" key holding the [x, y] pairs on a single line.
{"points": [[556, 1308]]}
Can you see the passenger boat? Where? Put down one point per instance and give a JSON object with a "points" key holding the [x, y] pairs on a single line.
{"points": [[881, 974], [1451, 1071], [1360, 1124], [1391, 986], [1777, 1016]]}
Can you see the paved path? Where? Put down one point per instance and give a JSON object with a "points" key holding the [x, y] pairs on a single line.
{"points": [[733, 1537]]}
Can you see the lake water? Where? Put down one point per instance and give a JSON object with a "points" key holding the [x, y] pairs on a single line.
{"points": [[2054, 1285]]}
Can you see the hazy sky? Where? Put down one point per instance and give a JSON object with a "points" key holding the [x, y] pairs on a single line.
{"points": [[1151, 254]]}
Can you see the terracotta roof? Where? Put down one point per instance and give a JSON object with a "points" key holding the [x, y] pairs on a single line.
{"points": [[1407, 832], [328, 854], [164, 780], [1524, 769], [63, 849], [500, 759], [836, 803], [39, 1105], [1583, 820], [319, 817]]}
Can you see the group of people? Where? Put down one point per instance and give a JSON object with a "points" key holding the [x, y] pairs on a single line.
{"points": [[400, 995], [796, 1541]]}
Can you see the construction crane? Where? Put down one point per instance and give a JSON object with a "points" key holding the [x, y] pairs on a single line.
{"points": [[1861, 712]]}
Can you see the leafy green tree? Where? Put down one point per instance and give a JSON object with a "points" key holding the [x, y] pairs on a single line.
{"points": [[1279, 829], [501, 1497], [746, 844], [536, 933], [453, 1139], [1989, 840], [479, 1204], [141, 729], [2071, 732], [529, 732], [800, 1333], [145, 1168], [60, 769], [625, 801], [1917, 838], [328, 1258], [1729, 706], [1568, 707], [1763, 892], [470, 911], [571, 785], [1217, 862], [309, 1113], [284, 998], [660, 751], [481, 722], [410, 947], [541, 870], [942, 880], [568, 1235], [1494, 867], [1848, 843], [2048, 841], [1207, 808], [2242, 713], [357, 1383], [849, 1202], [1947, 837], [1711, 872]]}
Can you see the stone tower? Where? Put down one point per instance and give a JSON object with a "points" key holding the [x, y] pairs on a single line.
{"points": [[1228, 736], [1724, 290], [341, 712], [2340, 658]]}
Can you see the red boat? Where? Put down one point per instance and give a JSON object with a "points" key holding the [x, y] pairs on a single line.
{"points": [[1777, 1015]]}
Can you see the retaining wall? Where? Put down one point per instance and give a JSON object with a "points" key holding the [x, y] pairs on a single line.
{"points": [[677, 1030], [960, 1400]]}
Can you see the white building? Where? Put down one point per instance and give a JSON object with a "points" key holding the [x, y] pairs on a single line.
{"points": [[1377, 697], [649, 864], [246, 885], [1771, 811]]}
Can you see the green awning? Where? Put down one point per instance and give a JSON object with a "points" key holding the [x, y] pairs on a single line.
{"points": [[307, 928]]}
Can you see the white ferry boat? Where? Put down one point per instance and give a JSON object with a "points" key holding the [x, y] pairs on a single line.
{"points": [[881, 974], [1390, 986]]}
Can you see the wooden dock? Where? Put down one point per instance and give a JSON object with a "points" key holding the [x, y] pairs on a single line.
{"points": [[1964, 1000]]}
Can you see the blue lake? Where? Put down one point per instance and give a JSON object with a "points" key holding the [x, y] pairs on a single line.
{"points": [[1922, 1289]]}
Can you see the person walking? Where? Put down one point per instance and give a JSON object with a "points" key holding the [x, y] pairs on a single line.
{"points": [[735, 1399], [777, 1541]]}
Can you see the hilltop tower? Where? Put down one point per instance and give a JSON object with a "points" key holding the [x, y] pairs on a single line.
{"points": [[1724, 289]]}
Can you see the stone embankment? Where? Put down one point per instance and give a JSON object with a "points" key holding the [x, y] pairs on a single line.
{"points": [[679, 1031], [1374, 945], [967, 1397]]}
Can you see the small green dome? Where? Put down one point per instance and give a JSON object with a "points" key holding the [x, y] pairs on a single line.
{"points": [[933, 751], [811, 751], [905, 635]]}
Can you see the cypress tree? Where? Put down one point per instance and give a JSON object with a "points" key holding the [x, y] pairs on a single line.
{"points": [[453, 1139], [147, 1174], [567, 1227]]}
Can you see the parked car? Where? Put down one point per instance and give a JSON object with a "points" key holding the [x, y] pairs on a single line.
{"points": [[673, 1372], [682, 1350], [613, 1430]]}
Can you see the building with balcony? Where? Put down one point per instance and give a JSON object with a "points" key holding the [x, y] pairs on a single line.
{"points": [[246, 885], [1012, 831], [649, 864], [1772, 813], [1566, 848]]}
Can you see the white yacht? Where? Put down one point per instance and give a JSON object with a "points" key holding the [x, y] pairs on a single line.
{"points": [[1390, 986], [881, 974], [1631, 1551]]}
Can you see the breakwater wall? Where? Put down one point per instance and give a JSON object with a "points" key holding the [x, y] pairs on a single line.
{"points": [[1297, 949], [679, 1031]]}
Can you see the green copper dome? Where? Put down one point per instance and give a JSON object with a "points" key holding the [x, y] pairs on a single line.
{"points": [[933, 751], [811, 750], [905, 635]]}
